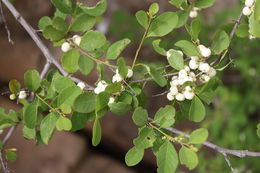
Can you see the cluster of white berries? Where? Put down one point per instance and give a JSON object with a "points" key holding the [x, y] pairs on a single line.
{"points": [[65, 47], [101, 86], [118, 78], [177, 91], [248, 9], [194, 12]]}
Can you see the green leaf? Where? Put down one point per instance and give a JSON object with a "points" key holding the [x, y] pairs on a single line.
{"points": [[140, 116], [176, 60], [70, 60], [134, 156], [10, 156], [59, 24], [188, 158], [154, 8], [120, 108], [29, 133], [61, 82], [92, 40], [195, 29], [145, 139], [85, 64], [114, 88], [254, 26], [183, 18], [44, 21], [47, 126], [97, 133], [177, 3], [116, 48], [30, 115], [52, 34], [142, 18], [158, 78], [83, 22], [68, 96], [122, 68], [167, 158], [257, 10], [63, 123], [163, 24], [220, 42], [204, 3], [242, 30], [165, 116], [198, 136], [97, 10], [197, 110], [157, 48], [32, 80], [79, 120], [65, 6], [85, 102], [14, 86], [102, 101], [188, 48]]}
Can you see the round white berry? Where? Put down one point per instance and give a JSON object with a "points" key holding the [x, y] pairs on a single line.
{"points": [[169, 53], [247, 11], [174, 90], [193, 76], [188, 95], [188, 88], [204, 78], [65, 47], [76, 39], [195, 58], [81, 85], [22, 95], [193, 14], [117, 78], [129, 73], [249, 3], [204, 51], [204, 67], [187, 68], [180, 97], [174, 77], [97, 90], [101, 84], [111, 100], [12, 96], [174, 82], [212, 72], [182, 73], [193, 64], [170, 97]]}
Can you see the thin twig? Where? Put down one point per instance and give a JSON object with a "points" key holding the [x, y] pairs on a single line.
{"points": [[161, 94], [6, 26], [45, 69], [149, 79]]}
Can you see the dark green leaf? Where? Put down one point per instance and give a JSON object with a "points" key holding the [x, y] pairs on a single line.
{"points": [[79, 120], [188, 48], [157, 48], [188, 157], [116, 48], [140, 116], [30, 115], [197, 110], [142, 18], [97, 133], [32, 80], [134, 156], [120, 108], [14, 86], [47, 126], [92, 40], [52, 34], [176, 60], [63, 123], [220, 42], [85, 64], [65, 6], [165, 116], [204, 3], [198, 136], [44, 21], [97, 10], [85, 103], [83, 22]]}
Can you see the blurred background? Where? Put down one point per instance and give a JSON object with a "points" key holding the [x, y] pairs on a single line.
{"points": [[231, 119]]}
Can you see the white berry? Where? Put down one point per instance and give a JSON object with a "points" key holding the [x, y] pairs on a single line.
{"points": [[188, 95], [186, 68], [193, 14], [195, 58], [182, 73], [76, 39], [204, 78], [111, 100], [204, 67], [81, 85], [193, 64], [204, 51], [129, 73], [174, 82], [251, 37], [117, 78], [247, 11], [22, 95], [249, 3], [212, 72], [170, 97], [174, 90], [65, 47], [12, 97], [180, 97], [169, 53]]}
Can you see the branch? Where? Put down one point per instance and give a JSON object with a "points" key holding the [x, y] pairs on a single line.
{"points": [[149, 79], [6, 27], [49, 57]]}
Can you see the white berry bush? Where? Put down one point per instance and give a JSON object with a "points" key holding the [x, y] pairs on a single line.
{"points": [[189, 79]]}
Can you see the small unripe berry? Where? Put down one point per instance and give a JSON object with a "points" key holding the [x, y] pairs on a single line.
{"points": [[22, 95], [65, 47], [247, 11], [129, 73], [193, 64], [249, 3], [76, 39], [204, 67], [193, 14], [12, 96], [180, 97], [81, 85], [170, 97]]}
